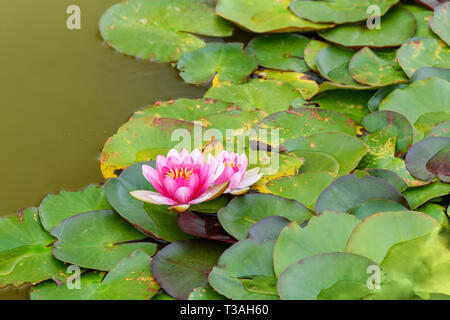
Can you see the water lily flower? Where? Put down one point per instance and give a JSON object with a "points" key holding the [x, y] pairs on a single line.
{"points": [[182, 179], [235, 171]]}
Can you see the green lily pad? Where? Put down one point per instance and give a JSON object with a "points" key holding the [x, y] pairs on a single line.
{"points": [[226, 60], [315, 161], [243, 212], [374, 206], [434, 210], [423, 52], [428, 72], [326, 233], [55, 208], [280, 51], [161, 30], [130, 279], [150, 135], [430, 4], [245, 271], [419, 156], [193, 259], [376, 69], [381, 93], [332, 63], [301, 81], [153, 220], [349, 102], [417, 99], [26, 251], [97, 240], [422, 16], [374, 236], [267, 229], [311, 51], [350, 191], [389, 176], [347, 150], [314, 276], [269, 96], [419, 195], [440, 22], [338, 11], [264, 16], [205, 293], [397, 26], [440, 130]]}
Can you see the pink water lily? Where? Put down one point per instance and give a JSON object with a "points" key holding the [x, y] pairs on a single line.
{"points": [[182, 179], [235, 171]]}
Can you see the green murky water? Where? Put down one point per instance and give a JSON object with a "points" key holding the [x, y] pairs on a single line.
{"points": [[63, 93]]}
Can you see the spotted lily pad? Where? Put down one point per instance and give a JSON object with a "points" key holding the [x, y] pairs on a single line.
{"points": [[397, 26], [431, 4], [423, 52], [130, 279], [280, 51], [338, 11], [226, 60], [376, 69], [97, 240], [26, 251], [161, 30], [264, 16], [56, 208], [311, 50], [440, 22]]}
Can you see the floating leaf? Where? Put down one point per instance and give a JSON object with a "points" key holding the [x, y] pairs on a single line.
{"points": [[434, 210], [397, 26], [374, 206], [326, 233], [193, 259], [419, 98], [422, 16], [267, 229], [55, 208], [389, 176], [269, 96], [374, 236], [243, 212], [440, 22], [431, 4], [146, 134], [280, 51], [130, 279], [313, 276], [376, 69], [311, 51], [428, 72], [441, 129], [153, 220], [338, 11], [264, 16], [381, 93], [226, 60], [419, 195], [26, 251], [97, 240], [350, 191], [161, 30], [317, 162], [423, 52], [205, 293], [203, 226]]}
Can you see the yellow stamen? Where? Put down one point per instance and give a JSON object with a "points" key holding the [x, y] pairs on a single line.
{"points": [[179, 173]]}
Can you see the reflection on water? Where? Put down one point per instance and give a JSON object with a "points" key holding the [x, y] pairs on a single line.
{"points": [[63, 92]]}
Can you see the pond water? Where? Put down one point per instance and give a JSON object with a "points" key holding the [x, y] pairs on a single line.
{"points": [[63, 93]]}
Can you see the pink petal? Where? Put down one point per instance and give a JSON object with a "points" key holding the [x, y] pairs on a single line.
{"points": [[161, 161], [250, 178], [183, 195], [211, 193], [152, 177], [235, 180], [151, 197], [170, 186]]}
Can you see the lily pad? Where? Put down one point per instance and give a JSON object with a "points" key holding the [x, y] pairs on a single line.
{"points": [[243, 212], [374, 236], [417, 99], [441, 129], [381, 93], [420, 195], [130, 279], [311, 51], [264, 16], [161, 30], [374, 206], [204, 226], [440, 22], [338, 11], [423, 52], [312, 277], [280, 51], [193, 259], [26, 251], [97, 240], [389, 176], [226, 60], [267, 229], [149, 135], [350, 191], [55, 208], [269, 96], [376, 69], [431, 4], [428, 72], [397, 26], [205, 293], [326, 233]]}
